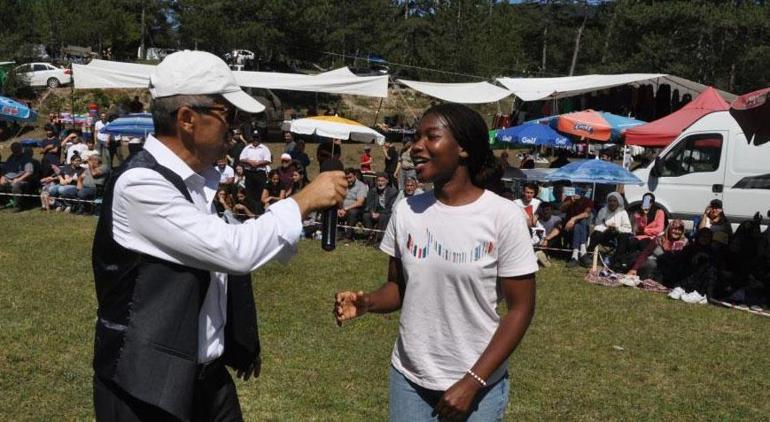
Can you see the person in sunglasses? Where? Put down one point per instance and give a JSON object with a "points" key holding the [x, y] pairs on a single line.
{"points": [[175, 303]]}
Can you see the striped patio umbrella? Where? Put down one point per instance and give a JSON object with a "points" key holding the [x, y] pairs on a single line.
{"points": [[594, 125]]}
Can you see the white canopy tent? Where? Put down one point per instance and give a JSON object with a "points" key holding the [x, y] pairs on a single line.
{"points": [[464, 93], [534, 89], [338, 81], [101, 74]]}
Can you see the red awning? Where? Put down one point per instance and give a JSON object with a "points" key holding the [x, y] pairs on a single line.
{"points": [[661, 132]]}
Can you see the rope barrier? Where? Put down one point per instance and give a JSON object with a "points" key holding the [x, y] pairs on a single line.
{"points": [[306, 225]]}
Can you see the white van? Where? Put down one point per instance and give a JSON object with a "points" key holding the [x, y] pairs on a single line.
{"points": [[711, 159]]}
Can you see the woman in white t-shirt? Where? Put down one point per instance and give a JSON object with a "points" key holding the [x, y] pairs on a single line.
{"points": [[455, 252]]}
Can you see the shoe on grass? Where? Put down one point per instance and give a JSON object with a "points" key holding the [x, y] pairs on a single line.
{"points": [[572, 263], [694, 298], [677, 293], [630, 280]]}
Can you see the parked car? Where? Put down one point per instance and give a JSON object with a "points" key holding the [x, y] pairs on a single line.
{"points": [[238, 56], [711, 159], [44, 74]]}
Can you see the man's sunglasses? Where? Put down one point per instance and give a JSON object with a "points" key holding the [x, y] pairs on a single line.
{"points": [[227, 113]]}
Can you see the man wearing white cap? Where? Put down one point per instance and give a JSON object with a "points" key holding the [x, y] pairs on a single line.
{"points": [[172, 279]]}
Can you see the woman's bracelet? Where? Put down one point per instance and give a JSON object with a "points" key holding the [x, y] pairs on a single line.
{"points": [[477, 378]]}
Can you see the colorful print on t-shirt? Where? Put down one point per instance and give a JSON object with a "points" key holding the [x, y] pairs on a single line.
{"points": [[481, 250]]}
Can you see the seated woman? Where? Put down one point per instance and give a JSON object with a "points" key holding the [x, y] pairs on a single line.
{"points": [[671, 241], [297, 183], [241, 207], [649, 222], [273, 191], [611, 223]]}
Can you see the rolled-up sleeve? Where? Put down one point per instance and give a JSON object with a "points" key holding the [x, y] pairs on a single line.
{"points": [[151, 216]]}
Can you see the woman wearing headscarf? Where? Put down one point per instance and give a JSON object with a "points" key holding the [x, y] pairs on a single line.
{"points": [[611, 223], [671, 241]]}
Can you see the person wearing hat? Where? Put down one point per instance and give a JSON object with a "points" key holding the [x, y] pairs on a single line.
{"points": [[714, 219], [286, 171], [175, 304], [378, 206], [255, 158], [365, 162]]}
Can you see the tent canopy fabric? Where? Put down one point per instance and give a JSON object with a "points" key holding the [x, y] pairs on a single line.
{"points": [[338, 81], [660, 133], [102, 74], [463, 93], [534, 89]]}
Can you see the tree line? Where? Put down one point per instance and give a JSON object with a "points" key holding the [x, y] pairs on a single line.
{"points": [[721, 43]]}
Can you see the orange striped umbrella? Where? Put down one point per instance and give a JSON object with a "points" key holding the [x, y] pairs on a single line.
{"points": [[586, 124]]}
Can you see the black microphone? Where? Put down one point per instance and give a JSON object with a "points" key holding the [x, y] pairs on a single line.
{"points": [[329, 217]]}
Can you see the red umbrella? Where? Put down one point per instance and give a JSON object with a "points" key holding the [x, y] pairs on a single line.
{"points": [[752, 112]]}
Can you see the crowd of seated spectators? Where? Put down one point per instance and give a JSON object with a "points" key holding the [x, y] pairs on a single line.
{"points": [[709, 261], [67, 177]]}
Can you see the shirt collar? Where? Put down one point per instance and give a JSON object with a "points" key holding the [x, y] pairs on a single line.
{"points": [[167, 158]]}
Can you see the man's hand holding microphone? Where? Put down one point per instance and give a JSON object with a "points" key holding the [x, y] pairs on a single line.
{"points": [[326, 191]]}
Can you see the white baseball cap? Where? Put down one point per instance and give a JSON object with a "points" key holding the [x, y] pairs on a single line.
{"points": [[199, 73]]}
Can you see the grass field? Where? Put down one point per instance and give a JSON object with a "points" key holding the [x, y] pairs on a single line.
{"points": [[592, 353]]}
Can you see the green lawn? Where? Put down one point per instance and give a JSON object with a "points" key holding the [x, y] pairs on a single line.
{"points": [[592, 353]]}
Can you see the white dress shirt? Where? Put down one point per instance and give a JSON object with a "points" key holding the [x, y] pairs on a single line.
{"points": [[225, 173], [257, 153], [151, 216]]}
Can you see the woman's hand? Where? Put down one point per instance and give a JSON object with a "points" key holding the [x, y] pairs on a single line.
{"points": [[570, 224], [457, 400], [349, 305]]}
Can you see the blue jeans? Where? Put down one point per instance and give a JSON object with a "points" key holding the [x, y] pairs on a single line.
{"points": [[580, 233], [411, 403]]}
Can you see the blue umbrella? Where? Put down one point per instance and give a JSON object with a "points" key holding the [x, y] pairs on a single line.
{"points": [[594, 171], [14, 111], [136, 124], [533, 134]]}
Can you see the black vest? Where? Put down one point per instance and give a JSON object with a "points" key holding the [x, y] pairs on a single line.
{"points": [[147, 328]]}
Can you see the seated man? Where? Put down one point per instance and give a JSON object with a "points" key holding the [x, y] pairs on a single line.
{"points": [[226, 173], [353, 204], [578, 211], [67, 187], [529, 203], [90, 181], [17, 175], [552, 226], [410, 189], [379, 204]]}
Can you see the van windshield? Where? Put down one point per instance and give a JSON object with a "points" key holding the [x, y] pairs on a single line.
{"points": [[695, 154]]}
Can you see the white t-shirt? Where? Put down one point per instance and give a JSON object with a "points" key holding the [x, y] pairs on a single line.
{"points": [[225, 173], [534, 203], [102, 137], [452, 257]]}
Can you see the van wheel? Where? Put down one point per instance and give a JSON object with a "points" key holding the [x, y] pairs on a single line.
{"points": [[53, 83]]}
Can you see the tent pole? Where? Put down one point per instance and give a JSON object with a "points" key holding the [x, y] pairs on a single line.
{"points": [[377, 114]]}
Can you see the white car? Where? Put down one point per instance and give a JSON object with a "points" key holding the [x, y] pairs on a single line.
{"points": [[240, 55], [45, 74]]}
